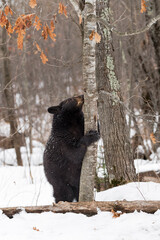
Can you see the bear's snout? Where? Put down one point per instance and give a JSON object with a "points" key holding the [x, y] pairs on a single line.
{"points": [[80, 100]]}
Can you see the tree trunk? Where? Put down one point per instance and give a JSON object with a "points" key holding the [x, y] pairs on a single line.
{"points": [[88, 208], [9, 97], [114, 131], [90, 103], [155, 75]]}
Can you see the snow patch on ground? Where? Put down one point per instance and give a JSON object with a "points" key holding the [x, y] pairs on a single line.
{"points": [[17, 189], [133, 226], [146, 165], [131, 191]]}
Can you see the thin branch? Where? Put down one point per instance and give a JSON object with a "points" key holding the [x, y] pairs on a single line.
{"points": [[114, 98], [76, 6], [126, 34]]}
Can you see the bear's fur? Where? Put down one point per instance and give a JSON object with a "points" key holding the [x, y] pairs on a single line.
{"points": [[66, 148]]}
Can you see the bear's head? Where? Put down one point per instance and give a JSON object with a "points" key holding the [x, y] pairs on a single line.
{"points": [[70, 105]]}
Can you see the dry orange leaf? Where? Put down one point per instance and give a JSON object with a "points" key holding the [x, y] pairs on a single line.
{"points": [[37, 23], [115, 214], [7, 10], [9, 29], [22, 22], [35, 229], [3, 20], [153, 139], [43, 57], [62, 9], [51, 33], [80, 19], [20, 40], [143, 6], [52, 26], [32, 3], [96, 36], [45, 33], [38, 47], [91, 36]]}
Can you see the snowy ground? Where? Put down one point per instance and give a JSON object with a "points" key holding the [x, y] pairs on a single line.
{"points": [[133, 226], [22, 186], [16, 189]]}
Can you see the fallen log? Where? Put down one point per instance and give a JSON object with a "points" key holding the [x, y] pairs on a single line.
{"points": [[87, 208], [149, 176]]}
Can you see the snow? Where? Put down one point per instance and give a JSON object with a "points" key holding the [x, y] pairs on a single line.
{"points": [[131, 191], [146, 165], [17, 189], [133, 226], [27, 186], [9, 157]]}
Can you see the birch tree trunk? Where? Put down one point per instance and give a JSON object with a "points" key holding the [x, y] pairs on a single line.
{"points": [[117, 149], [90, 103], [90, 97]]}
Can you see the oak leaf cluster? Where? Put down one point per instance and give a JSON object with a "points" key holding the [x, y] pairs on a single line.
{"points": [[23, 22], [32, 3]]}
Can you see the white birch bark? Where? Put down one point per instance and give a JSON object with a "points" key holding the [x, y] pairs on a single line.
{"points": [[90, 103], [75, 6], [90, 96]]}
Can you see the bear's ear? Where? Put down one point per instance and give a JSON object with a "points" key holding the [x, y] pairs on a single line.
{"points": [[54, 109]]}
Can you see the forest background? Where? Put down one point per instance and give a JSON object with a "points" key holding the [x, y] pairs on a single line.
{"points": [[31, 86]]}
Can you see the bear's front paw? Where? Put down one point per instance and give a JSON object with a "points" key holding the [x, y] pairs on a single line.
{"points": [[93, 136]]}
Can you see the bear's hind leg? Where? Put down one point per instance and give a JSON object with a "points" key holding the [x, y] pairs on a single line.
{"points": [[63, 192], [76, 193]]}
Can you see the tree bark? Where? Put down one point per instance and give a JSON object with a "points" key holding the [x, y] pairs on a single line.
{"points": [[154, 76], [114, 130], [88, 208], [9, 97], [90, 103]]}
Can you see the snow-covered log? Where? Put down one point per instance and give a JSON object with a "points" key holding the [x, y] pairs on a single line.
{"points": [[88, 208]]}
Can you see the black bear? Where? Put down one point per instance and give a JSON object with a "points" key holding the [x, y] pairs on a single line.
{"points": [[66, 148]]}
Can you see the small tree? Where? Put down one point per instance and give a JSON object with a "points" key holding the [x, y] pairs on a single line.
{"points": [[87, 9]]}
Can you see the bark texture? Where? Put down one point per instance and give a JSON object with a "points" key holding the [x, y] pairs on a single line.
{"points": [[9, 97], [114, 131], [88, 208], [90, 103]]}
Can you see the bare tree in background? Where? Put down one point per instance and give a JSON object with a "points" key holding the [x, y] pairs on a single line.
{"points": [[127, 77], [37, 86], [9, 97]]}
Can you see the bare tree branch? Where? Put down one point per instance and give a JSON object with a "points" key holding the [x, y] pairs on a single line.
{"points": [[126, 34], [75, 5]]}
